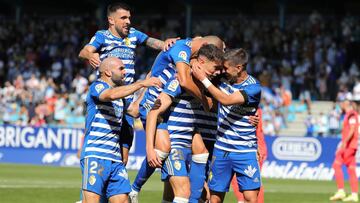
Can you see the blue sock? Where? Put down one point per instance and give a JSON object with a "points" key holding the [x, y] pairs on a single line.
{"points": [[143, 175], [197, 176]]}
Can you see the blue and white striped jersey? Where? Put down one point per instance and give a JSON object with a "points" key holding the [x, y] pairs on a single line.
{"points": [[107, 44], [103, 124], [164, 68], [186, 115], [235, 133]]}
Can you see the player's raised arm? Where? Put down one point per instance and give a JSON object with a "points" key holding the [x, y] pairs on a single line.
{"points": [[123, 91], [159, 44], [89, 53], [112, 72]]}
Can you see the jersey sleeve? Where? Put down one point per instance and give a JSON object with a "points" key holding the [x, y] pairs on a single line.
{"points": [[140, 36], [173, 88], [180, 53], [97, 89], [251, 94], [97, 40]]}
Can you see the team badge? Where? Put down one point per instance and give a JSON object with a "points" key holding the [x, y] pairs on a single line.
{"points": [[99, 87], [173, 85], [183, 55], [92, 180], [127, 41], [177, 165]]}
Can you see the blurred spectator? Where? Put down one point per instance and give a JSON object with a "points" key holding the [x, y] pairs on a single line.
{"points": [[310, 124], [322, 125], [334, 121]]}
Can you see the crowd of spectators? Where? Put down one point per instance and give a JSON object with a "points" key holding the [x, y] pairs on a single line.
{"points": [[43, 81]]}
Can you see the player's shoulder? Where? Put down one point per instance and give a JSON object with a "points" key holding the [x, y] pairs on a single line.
{"points": [[98, 86], [251, 80], [134, 31], [103, 33]]}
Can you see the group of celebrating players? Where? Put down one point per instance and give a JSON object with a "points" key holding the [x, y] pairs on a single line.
{"points": [[198, 107]]}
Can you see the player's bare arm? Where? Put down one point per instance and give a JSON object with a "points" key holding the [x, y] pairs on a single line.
{"points": [[159, 44], [123, 91], [133, 109], [185, 80], [89, 53], [224, 99], [151, 121]]}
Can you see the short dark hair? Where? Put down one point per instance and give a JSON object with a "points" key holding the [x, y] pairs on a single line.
{"points": [[212, 53], [237, 57], [117, 5]]}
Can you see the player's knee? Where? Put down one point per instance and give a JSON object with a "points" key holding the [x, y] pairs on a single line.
{"points": [[162, 155], [250, 198], [182, 188], [200, 158]]}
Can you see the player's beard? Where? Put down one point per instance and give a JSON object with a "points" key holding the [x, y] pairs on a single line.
{"points": [[122, 32], [230, 78], [118, 81]]}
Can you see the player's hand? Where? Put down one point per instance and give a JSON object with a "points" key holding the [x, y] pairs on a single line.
{"points": [[94, 60], [152, 159], [198, 72], [254, 120], [153, 81], [169, 43]]}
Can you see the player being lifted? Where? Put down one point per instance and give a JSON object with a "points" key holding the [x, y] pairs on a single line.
{"points": [[103, 172], [181, 114], [236, 143], [174, 61]]}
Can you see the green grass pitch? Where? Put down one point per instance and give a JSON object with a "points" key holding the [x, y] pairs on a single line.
{"points": [[45, 184]]}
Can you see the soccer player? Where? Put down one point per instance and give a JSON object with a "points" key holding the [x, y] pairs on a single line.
{"points": [[345, 154], [262, 154], [180, 111], [120, 40], [236, 143], [174, 61], [103, 172]]}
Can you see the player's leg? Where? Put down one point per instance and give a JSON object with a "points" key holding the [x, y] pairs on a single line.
{"points": [[123, 198], [198, 167], [162, 148], [248, 174], [181, 188], [239, 195], [95, 174], [118, 186], [175, 170], [350, 162], [220, 175], [339, 176]]}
